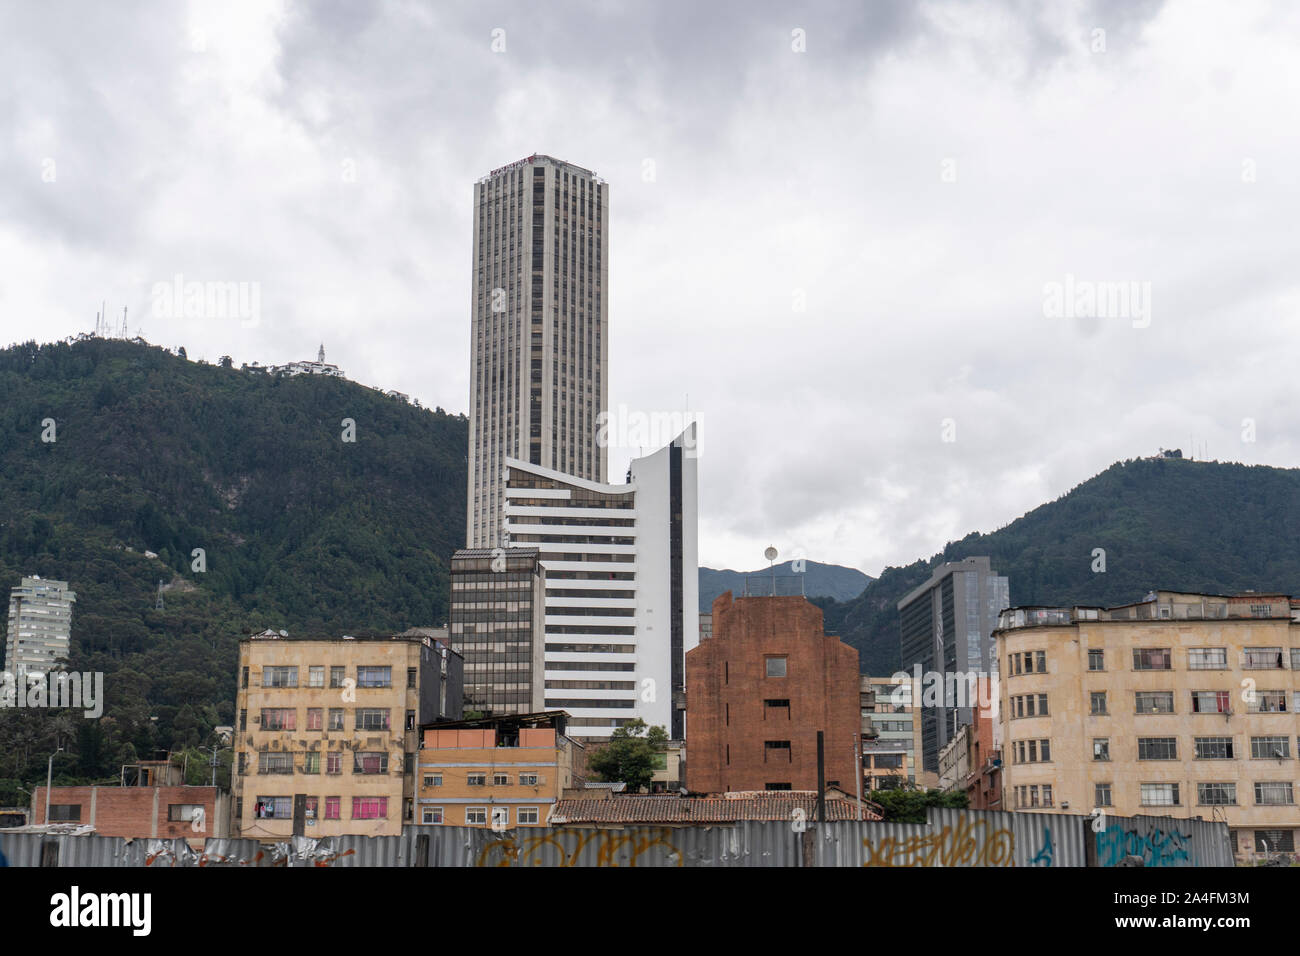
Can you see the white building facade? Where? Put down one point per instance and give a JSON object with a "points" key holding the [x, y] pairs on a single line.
{"points": [[40, 625], [622, 587]]}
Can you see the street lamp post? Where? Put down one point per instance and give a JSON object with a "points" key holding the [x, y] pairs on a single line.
{"points": [[49, 776]]}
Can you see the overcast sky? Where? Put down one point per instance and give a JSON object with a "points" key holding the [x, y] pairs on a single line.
{"points": [[843, 232]]}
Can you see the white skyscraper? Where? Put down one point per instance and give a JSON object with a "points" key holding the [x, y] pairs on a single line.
{"points": [[40, 625], [622, 586], [539, 337]]}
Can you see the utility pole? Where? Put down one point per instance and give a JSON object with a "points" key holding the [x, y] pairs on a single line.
{"points": [[49, 778]]}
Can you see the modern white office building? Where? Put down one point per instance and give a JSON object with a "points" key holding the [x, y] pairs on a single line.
{"points": [[622, 588], [539, 335], [40, 625]]}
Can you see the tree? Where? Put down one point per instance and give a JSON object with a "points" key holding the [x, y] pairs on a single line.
{"points": [[908, 805], [629, 756], [225, 361]]}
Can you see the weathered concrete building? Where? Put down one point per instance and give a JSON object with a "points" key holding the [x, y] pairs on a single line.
{"points": [[1181, 705], [328, 729]]}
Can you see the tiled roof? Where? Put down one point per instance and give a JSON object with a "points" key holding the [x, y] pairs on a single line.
{"points": [[676, 809]]}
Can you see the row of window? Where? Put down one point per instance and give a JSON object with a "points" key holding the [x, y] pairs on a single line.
{"points": [[286, 676], [480, 780], [281, 808], [1162, 702], [1224, 794], [286, 718], [1161, 659], [362, 762], [1206, 748], [478, 816]]}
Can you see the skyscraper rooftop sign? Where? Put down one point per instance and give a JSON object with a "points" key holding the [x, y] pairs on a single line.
{"points": [[527, 161]]}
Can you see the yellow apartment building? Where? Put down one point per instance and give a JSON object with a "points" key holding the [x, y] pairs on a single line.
{"points": [[501, 772], [328, 728], [1183, 705]]}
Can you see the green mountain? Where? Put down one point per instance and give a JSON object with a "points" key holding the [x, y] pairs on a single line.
{"points": [[819, 580], [1163, 523], [299, 529]]}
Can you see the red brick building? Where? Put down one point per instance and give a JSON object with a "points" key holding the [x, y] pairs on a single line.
{"points": [[758, 691], [191, 813]]}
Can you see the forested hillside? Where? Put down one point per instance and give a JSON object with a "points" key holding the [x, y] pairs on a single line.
{"points": [[1163, 523], [299, 529]]}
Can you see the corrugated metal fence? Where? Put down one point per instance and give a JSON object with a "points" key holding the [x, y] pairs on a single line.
{"points": [[948, 838]]}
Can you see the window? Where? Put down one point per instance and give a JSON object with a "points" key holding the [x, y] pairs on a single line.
{"points": [[410, 679], [332, 808], [311, 763], [185, 812], [336, 718], [528, 815], [1214, 748], [1098, 703], [243, 720], [316, 677], [1207, 659], [776, 750], [315, 718], [431, 815], [334, 764], [1261, 658], [372, 718], [1033, 751], [433, 780], [475, 816], [1270, 748], [274, 763], [500, 817], [279, 677], [370, 762], [775, 666], [374, 677], [337, 675], [1157, 748], [781, 706], [1151, 659], [1159, 794], [369, 808], [1100, 748], [1029, 705], [501, 780], [1295, 658], [1269, 702], [243, 677], [410, 720], [528, 780], [1155, 701], [1097, 662], [1211, 702], [476, 780], [279, 718], [1275, 841], [65, 812], [1216, 794], [273, 808], [1040, 662], [776, 786], [1274, 794], [1101, 795], [1034, 795]]}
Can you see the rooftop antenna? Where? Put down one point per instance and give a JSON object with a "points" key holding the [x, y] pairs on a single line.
{"points": [[771, 554]]}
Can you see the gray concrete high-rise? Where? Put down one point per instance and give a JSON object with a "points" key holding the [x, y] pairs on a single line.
{"points": [[539, 337], [946, 627], [40, 625]]}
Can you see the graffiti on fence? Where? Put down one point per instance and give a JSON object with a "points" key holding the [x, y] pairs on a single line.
{"points": [[1156, 848], [578, 847], [965, 844]]}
